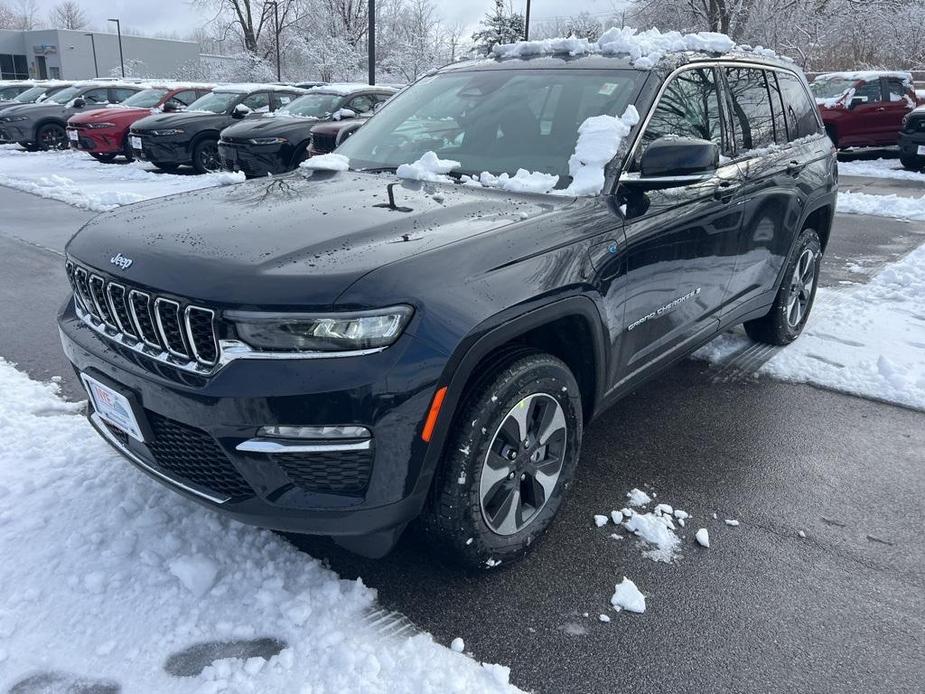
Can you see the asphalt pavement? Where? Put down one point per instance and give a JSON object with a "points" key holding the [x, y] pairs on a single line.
{"points": [[764, 609]]}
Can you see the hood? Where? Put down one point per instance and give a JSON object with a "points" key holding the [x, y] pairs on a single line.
{"points": [[269, 126], [333, 127], [109, 114], [296, 241], [200, 119], [35, 110]]}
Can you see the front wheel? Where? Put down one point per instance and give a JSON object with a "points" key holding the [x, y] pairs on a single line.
{"points": [[912, 162], [790, 310], [509, 461], [205, 156], [52, 136]]}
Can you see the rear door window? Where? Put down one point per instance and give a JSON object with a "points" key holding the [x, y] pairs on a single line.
{"points": [[96, 96], [868, 91], [689, 107], [119, 95], [799, 109], [750, 108], [895, 89], [361, 104], [259, 102], [185, 98]]}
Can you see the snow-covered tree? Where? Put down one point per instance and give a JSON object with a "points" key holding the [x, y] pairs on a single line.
{"points": [[502, 26], [67, 15], [583, 26]]}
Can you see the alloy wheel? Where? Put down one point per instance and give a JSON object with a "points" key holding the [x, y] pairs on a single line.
{"points": [[523, 464], [208, 157], [801, 287], [53, 137]]}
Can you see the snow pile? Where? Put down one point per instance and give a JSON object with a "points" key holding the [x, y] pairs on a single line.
{"points": [[326, 162], [521, 182], [644, 49], [626, 596], [882, 206], [105, 575], [657, 531], [637, 497], [599, 138], [879, 168], [428, 168], [868, 341], [77, 179]]}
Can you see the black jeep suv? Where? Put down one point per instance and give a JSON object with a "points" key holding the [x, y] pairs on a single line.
{"points": [[912, 140], [279, 141], [169, 140], [424, 330]]}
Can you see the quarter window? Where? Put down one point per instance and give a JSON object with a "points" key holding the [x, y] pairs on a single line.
{"points": [[689, 107], [750, 108], [799, 109]]}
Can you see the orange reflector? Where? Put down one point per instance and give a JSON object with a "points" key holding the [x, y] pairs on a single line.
{"points": [[433, 414]]}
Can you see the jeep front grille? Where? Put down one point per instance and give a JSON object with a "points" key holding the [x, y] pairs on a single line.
{"points": [[178, 332]]}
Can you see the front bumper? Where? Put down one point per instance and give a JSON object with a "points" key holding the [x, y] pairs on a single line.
{"points": [[909, 143], [101, 141], [195, 430], [161, 150], [15, 132], [253, 160]]}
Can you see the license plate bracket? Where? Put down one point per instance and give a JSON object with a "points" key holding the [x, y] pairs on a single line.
{"points": [[921, 150], [72, 135], [135, 142], [115, 408]]}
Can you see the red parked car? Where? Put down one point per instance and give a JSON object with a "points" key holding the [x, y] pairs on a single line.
{"points": [[103, 134], [864, 109]]}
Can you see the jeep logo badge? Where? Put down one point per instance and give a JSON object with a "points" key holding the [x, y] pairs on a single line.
{"points": [[121, 261]]}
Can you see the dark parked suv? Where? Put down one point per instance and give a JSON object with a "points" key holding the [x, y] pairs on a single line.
{"points": [[341, 352], [912, 140], [279, 141], [169, 140]]}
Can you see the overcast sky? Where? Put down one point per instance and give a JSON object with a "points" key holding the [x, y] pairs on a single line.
{"points": [[158, 16]]}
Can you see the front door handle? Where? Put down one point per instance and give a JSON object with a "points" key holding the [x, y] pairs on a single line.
{"points": [[725, 191], [794, 167]]}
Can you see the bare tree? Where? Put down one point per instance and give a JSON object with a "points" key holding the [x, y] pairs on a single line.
{"points": [[253, 20], [7, 17], [26, 15], [67, 15]]}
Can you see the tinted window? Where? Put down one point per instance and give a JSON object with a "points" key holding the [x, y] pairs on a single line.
{"points": [[146, 98], [215, 102], [282, 99], [799, 109], [777, 107], [896, 89], [96, 96], [185, 98], [689, 107], [869, 91], [259, 102], [750, 108], [120, 95], [361, 104]]}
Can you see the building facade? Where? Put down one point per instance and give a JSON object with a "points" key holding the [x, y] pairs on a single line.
{"points": [[64, 54]]}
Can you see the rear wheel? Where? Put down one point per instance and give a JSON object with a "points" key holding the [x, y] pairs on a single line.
{"points": [[105, 158], [784, 322], [51, 136], [163, 166], [29, 146], [205, 156], [912, 162], [510, 459]]}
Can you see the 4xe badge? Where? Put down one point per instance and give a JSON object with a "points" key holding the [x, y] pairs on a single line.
{"points": [[121, 261]]}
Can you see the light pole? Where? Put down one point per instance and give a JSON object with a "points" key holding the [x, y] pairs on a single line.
{"points": [[121, 57], [96, 67], [527, 23], [275, 4], [371, 50]]}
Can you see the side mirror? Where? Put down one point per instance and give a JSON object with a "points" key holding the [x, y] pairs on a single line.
{"points": [[679, 157], [342, 113], [346, 132], [240, 111], [857, 101], [79, 102]]}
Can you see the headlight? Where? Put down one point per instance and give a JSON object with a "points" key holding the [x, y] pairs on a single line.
{"points": [[95, 126], [168, 131], [268, 140], [332, 332]]}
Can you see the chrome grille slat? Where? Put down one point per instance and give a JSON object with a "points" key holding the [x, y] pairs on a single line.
{"points": [[167, 330], [167, 316]]}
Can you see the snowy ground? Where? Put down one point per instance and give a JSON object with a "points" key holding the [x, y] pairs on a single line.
{"points": [[895, 206], [880, 168], [109, 580], [79, 180], [868, 340]]}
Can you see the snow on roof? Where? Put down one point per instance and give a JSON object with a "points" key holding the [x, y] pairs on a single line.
{"points": [[51, 84], [344, 88], [255, 86], [117, 84], [644, 49], [864, 75], [172, 84]]}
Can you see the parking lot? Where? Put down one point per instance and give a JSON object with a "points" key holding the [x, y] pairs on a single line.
{"points": [[818, 588]]}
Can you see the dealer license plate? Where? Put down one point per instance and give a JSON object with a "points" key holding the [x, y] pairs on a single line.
{"points": [[113, 407]]}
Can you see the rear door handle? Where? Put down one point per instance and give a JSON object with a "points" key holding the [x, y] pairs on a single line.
{"points": [[726, 190]]}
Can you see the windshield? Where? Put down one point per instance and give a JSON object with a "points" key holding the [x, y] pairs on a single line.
{"points": [[30, 95], [65, 95], [494, 120], [147, 98], [311, 106], [215, 102], [8, 92], [830, 88]]}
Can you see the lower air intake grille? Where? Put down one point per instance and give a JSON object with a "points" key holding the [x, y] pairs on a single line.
{"points": [[191, 454], [345, 472]]}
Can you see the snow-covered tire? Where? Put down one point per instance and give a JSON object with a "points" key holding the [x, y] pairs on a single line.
{"points": [[794, 301], [912, 162], [29, 146], [205, 156], [105, 158], [465, 518], [165, 166]]}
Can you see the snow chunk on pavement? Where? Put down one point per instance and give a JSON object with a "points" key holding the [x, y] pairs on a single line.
{"points": [[702, 537], [637, 497], [260, 585], [197, 573], [458, 645], [599, 140], [600, 521], [657, 531], [603, 618], [428, 168], [663, 509], [326, 162], [626, 596], [732, 522]]}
